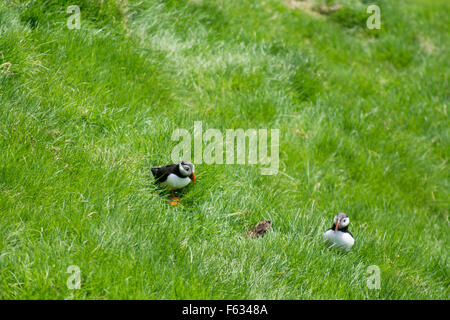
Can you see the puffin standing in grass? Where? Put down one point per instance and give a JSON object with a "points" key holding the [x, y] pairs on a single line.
{"points": [[338, 235], [174, 176]]}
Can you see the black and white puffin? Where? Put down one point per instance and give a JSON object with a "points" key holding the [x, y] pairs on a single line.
{"points": [[174, 176], [338, 235]]}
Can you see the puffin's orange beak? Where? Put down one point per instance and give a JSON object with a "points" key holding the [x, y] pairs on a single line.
{"points": [[337, 225], [193, 177]]}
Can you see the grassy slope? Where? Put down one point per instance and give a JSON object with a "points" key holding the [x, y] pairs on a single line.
{"points": [[84, 113]]}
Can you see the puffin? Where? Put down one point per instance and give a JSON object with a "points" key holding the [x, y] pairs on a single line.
{"points": [[338, 235], [260, 229], [174, 176]]}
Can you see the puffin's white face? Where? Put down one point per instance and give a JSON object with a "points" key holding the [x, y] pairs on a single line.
{"points": [[187, 169], [341, 220]]}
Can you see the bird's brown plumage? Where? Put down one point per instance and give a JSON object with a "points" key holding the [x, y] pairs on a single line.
{"points": [[260, 229]]}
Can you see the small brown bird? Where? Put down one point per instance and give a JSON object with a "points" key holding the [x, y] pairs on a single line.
{"points": [[260, 229], [174, 176]]}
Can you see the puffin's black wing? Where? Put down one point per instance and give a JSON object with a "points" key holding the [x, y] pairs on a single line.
{"points": [[161, 173]]}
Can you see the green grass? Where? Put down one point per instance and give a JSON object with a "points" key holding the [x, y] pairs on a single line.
{"points": [[85, 113]]}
